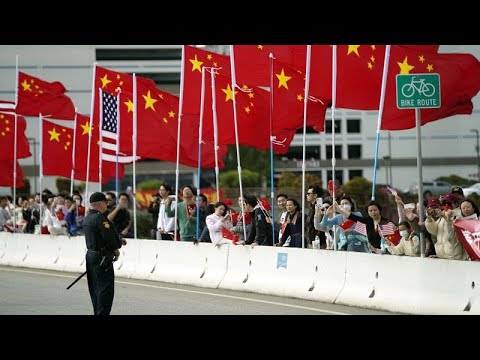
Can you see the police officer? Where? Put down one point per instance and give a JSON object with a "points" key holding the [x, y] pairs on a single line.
{"points": [[103, 244]]}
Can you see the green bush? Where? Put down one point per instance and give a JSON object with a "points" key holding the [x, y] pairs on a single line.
{"points": [[230, 178], [152, 184], [144, 224]]}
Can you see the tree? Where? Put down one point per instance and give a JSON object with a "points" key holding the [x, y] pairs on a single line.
{"points": [[25, 190], [230, 179], [257, 161], [152, 184]]}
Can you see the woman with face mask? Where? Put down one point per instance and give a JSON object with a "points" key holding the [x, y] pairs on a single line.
{"points": [[347, 239], [409, 244]]}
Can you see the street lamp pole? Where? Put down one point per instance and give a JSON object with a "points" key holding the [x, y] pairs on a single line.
{"points": [[478, 153]]}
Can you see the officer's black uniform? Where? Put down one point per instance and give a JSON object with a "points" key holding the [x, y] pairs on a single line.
{"points": [[100, 234]]}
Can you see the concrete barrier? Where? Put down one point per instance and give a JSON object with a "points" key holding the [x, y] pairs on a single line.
{"points": [[387, 282], [127, 263], [185, 263], [147, 259], [16, 249], [43, 251], [72, 254], [277, 271], [4, 237]]}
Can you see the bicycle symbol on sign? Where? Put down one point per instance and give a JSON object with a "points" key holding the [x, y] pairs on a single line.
{"points": [[420, 86]]}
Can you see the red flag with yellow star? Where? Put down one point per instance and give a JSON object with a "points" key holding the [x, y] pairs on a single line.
{"points": [[81, 151], [288, 100], [359, 71], [7, 129], [157, 128], [459, 83], [252, 62], [253, 117], [57, 147], [36, 96], [194, 60], [6, 175]]}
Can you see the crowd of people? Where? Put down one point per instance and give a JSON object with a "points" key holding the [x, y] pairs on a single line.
{"points": [[331, 220]]}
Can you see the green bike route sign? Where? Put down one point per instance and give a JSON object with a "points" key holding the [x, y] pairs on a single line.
{"points": [[418, 91]]}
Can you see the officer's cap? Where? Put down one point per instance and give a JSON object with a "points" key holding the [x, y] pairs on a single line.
{"points": [[97, 196]]}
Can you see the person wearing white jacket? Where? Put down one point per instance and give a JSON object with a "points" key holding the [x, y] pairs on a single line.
{"points": [[165, 224], [220, 219]]}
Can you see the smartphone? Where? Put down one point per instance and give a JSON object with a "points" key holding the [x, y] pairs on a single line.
{"points": [[411, 206], [319, 201]]}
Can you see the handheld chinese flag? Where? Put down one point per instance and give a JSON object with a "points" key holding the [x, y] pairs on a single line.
{"points": [[347, 224], [467, 232], [227, 234], [36, 96], [395, 237], [265, 204]]}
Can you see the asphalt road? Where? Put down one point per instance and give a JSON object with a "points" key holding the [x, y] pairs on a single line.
{"points": [[25, 291]]}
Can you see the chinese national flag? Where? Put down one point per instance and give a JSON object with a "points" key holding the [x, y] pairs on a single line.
{"points": [[253, 115], [459, 83], [7, 129], [81, 151], [236, 216], [194, 60], [227, 234], [288, 100], [6, 175], [36, 96], [395, 237], [57, 147], [347, 224], [252, 62], [157, 129]]}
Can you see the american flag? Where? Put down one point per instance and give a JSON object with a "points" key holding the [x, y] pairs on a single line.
{"points": [[387, 229], [360, 228], [110, 129]]}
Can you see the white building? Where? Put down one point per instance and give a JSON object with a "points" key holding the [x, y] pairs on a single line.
{"points": [[448, 145]]}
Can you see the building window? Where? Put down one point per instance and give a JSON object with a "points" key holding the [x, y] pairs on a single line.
{"points": [[354, 173], [328, 126], [354, 151], [338, 152], [353, 126], [296, 152], [138, 54]]}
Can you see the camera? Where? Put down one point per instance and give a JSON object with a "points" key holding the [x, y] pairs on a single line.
{"points": [[319, 201]]}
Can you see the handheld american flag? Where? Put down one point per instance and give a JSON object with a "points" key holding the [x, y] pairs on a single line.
{"points": [[360, 228], [387, 229], [110, 120]]}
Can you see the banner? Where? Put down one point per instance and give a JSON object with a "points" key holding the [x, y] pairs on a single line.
{"points": [[468, 232]]}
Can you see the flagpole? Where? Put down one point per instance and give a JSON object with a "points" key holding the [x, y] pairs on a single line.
{"points": [[40, 168], [272, 188], [15, 148], [118, 141], [134, 143], [73, 152], [100, 139], [380, 113], [421, 218], [334, 105], [87, 202], [239, 167], [180, 111], [200, 132], [215, 132], [307, 70]]}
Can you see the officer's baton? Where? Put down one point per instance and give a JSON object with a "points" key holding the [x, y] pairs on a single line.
{"points": [[78, 278]]}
